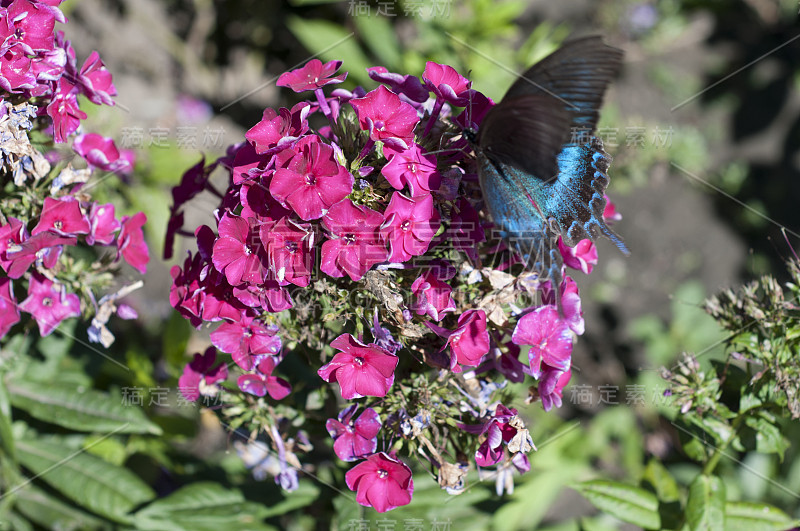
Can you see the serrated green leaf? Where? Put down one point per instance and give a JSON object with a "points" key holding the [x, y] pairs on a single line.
{"points": [[331, 41], [705, 508], [658, 476], [50, 512], [201, 506], [749, 516], [89, 481], [626, 502], [81, 410]]}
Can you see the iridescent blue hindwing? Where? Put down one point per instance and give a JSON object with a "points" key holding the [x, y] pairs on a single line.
{"points": [[518, 218], [576, 197]]}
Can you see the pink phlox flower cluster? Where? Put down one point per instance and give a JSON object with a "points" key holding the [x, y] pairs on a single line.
{"points": [[382, 197]]}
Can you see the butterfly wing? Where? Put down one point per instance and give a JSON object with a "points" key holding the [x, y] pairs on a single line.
{"points": [[526, 132], [577, 75], [576, 197], [529, 132], [518, 218]]}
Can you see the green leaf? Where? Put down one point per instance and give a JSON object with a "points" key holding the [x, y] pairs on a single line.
{"points": [[630, 504], [768, 437], [50, 512], [666, 488], [5, 401], [330, 41], [201, 506], [81, 410], [379, 35], [305, 494], [175, 338], [6, 437], [89, 481], [533, 498], [16, 522], [705, 508], [749, 516]]}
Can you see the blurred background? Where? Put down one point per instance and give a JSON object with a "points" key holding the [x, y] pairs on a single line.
{"points": [[704, 128]]}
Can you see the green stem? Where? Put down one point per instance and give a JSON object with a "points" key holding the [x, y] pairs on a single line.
{"points": [[711, 464]]}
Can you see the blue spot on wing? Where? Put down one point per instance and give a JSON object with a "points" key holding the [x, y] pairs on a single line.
{"points": [[531, 212]]}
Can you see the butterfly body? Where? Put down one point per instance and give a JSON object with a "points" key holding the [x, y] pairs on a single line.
{"points": [[537, 181]]}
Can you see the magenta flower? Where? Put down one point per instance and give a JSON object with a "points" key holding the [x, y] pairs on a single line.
{"points": [[477, 107], [248, 165], [381, 482], [9, 313], [469, 342], [95, 81], [62, 216], [238, 251], [193, 181], [64, 110], [12, 234], [15, 71], [402, 85], [289, 253], [570, 302], [100, 152], [261, 382], [446, 83], [356, 243], [28, 25], [312, 76], [48, 304], [466, 231], [130, 243], [610, 212], [583, 256], [312, 181], [433, 294], [504, 427], [185, 293], [246, 339], [498, 431], [551, 386], [505, 362], [415, 168], [45, 246], [549, 336], [102, 224], [360, 370], [258, 203], [201, 372], [386, 117], [354, 439], [270, 296], [410, 226], [279, 130]]}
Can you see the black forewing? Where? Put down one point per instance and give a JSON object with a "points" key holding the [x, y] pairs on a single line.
{"points": [[577, 75], [526, 132]]}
